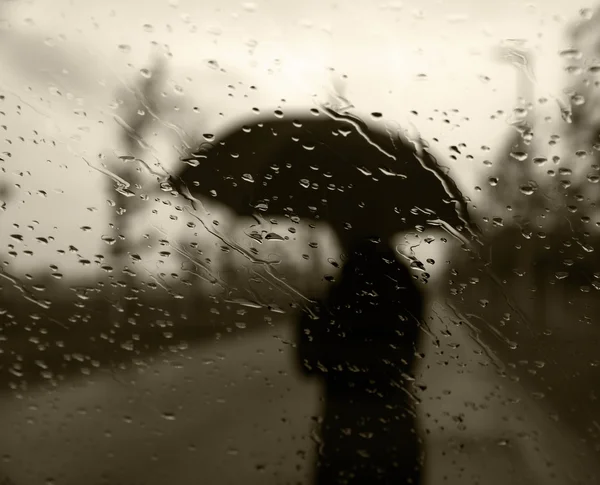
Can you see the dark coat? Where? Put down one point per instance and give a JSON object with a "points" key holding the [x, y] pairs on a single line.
{"points": [[367, 328], [363, 343]]}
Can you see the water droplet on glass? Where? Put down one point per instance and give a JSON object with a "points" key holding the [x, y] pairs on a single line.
{"points": [[128, 345], [274, 237], [520, 156], [566, 115], [527, 189], [108, 240], [248, 178], [578, 100], [571, 53], [574, 70], [124, 191]]}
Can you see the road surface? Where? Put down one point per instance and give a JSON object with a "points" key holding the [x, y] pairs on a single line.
{"points": [[237, 411]]}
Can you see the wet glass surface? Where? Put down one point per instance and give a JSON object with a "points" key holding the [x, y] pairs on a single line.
{"points": [[299, 242]]}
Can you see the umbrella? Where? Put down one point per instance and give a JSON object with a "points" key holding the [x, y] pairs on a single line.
{"points": [[329, 167]]}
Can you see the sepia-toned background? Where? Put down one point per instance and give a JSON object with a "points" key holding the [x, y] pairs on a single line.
{"points": [[140, 340]]}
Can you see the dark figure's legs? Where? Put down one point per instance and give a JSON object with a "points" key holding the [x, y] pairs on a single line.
{"points": [[369, 439], [362, 345]]}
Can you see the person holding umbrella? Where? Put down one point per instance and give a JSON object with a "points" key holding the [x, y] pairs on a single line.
{"points": [[368, 185]]}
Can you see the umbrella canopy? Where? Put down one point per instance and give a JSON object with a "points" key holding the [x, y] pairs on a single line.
{"points": [[323, 166]]}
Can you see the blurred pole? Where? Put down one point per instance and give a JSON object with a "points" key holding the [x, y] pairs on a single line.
{"points": [[513, 170], [517, 187], [584, 130]]}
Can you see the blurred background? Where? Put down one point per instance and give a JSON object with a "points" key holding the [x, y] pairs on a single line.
{"points": [[143, 341]]}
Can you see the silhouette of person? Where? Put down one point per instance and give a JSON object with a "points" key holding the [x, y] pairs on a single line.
{"points": [[362, 342]]}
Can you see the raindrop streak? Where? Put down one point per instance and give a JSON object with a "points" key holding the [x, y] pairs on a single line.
{"points": [[364, 171], [27, 295], [245, 303]]}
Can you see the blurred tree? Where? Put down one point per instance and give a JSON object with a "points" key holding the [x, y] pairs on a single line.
{"points": [[134, 122], [515, 187], [581, 65], [135, 115], [548, 239]]}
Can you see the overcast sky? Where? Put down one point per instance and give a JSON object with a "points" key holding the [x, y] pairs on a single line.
{"points": [[63, 61]]}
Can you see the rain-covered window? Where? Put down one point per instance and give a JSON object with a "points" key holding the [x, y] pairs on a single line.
{"points": [[311, 243]]}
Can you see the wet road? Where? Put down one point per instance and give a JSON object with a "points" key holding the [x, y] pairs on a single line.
{"points": [[237, 411]]}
